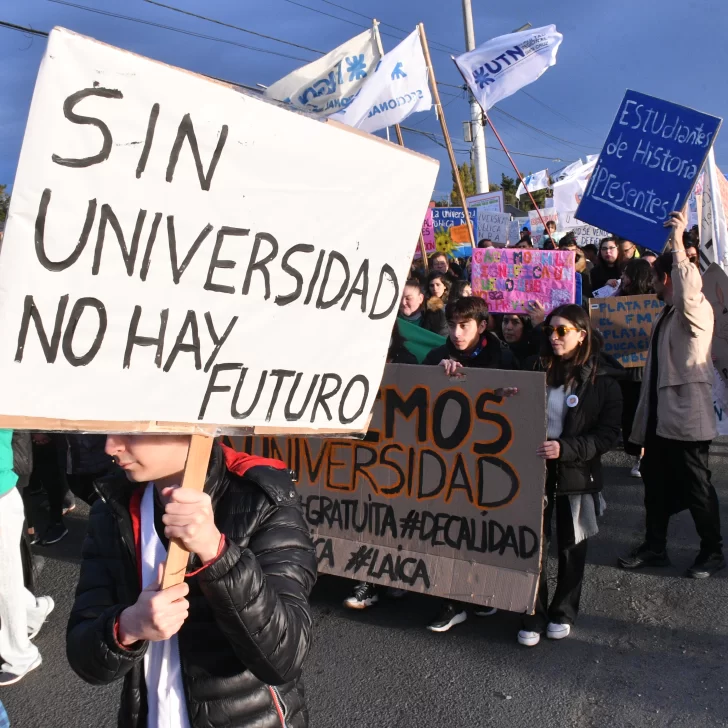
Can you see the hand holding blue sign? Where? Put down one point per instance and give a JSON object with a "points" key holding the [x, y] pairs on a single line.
{"points": [[647, 168]]}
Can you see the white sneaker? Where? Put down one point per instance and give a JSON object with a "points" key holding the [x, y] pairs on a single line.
{"points": [[485, 611], [528, 639], [558, 631], [365, 595], [635, 472], [10, 678], [46, 604]]}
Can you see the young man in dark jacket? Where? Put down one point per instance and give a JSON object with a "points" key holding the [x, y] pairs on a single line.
{"points": [[468, 345], [224, 648]]}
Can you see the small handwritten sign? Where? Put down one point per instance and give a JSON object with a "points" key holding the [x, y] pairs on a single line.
{"points": [[626, 323], [508, 279]]}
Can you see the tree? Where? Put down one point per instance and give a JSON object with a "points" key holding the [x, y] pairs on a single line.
{"points": [[509, 185], [467, 175], [4, 203]]}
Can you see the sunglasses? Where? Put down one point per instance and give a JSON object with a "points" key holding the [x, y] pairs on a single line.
{"points": [[561, 331]]}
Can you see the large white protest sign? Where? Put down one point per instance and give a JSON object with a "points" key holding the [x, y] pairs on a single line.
{"points": [[493, 225], [177, 253], [493, 201], [330, 83]]}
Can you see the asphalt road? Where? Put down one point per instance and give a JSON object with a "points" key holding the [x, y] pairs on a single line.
{"points": [[650, 648]]}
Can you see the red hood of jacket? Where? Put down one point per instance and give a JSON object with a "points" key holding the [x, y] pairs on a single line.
{"points": [[240, 462]]}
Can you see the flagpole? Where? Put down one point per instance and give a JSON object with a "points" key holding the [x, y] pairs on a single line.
{"points": [[487, 120], [443, 124], [400, 139]]}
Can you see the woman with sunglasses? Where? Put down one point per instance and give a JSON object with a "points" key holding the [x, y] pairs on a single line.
{"points": [[607, 270], [584, 407]]}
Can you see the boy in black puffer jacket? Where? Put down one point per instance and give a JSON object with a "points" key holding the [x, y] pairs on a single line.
{"points": [[224, 648]]}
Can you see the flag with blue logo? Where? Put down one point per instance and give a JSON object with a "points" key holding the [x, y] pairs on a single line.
{"points": [[507, 63], [534, 182], [398, 88], [330, 83]]}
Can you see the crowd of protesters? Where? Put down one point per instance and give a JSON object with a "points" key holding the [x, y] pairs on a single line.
{"points": [[226, 645]]}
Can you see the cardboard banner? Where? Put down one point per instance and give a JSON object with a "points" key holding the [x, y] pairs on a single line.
{"points": [[715, 289], [445, 494], [647, 168], [508, 279], [460, 234], [491, 201], [428, 235], [444, 218], [626, 323], [493, 225], [148, 279]]}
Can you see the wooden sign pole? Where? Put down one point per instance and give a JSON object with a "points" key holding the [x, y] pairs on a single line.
{"points": [[198, 459], [443, 124], [400, 139]]}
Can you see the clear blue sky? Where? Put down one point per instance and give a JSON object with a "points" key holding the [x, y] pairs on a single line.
{"points": [[674, 49]]}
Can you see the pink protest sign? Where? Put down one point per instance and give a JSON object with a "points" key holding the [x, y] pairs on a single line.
{"points": [[507, 278], [428, 235]]}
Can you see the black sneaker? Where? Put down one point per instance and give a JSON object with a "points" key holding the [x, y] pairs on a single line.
{"points": [[54, 534], [706, 565], [450, 615], [364, 596], [643, 556]]}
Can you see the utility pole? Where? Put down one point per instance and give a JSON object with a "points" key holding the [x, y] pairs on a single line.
{"points": [[476, 113]]}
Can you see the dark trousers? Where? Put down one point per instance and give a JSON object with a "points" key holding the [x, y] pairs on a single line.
{"points": [[630, 399], [49, 474], [676, 477], [564, 606]]}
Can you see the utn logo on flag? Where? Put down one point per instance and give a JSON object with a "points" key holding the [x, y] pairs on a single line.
{"points": [[330, 83], [506, 64], [397, 89], [534, 182]]}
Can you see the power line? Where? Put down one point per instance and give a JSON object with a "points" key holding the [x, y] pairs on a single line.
{"points": [[559, 114], [235, 27], [448, 49], [540, 131], [178, 30], [32, 31]]}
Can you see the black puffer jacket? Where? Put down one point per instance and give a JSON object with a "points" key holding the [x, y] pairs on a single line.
{"points": [[491, 354], [591, 428], [249, 624]]}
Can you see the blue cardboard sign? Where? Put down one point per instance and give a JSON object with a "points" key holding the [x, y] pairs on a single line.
{"points": [[652, 156], [443, 218]]}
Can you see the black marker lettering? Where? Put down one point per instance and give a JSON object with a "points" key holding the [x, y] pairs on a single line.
{"points": [[365, 382], [177, 272], [281, 374], [294, 416], [190, 322], [133, 339], [316, 273], [291, 297], [320, 303], [215, 262], [217, 342], [72, 116], [234, 405], [363, 291], [150, 243], [260, 264], [153, 116], [395, 298], [40, 221], [75, 317], [186, 129], [30, 311], [321, 397], [211, 387], [129, 255]]}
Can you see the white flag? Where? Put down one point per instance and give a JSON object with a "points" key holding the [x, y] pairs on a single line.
{"points": [[397, 89], [507, 63], [713, 230], [534, 182], [330, 83], [567, 171], [569, 191]]}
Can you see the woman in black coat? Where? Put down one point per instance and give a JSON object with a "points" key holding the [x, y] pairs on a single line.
{"points": [[607, 269], [584, 407]]}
